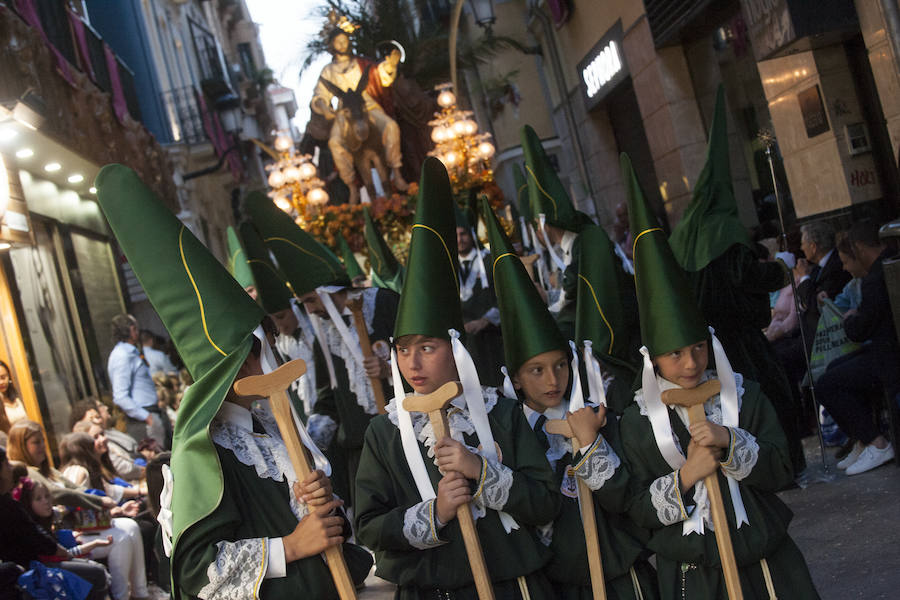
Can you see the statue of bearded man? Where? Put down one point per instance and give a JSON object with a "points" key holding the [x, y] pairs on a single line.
{"points": [[345, 72]]}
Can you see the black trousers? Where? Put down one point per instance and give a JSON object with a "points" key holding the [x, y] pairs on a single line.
{"points": [[92, 572], [849, 385]]}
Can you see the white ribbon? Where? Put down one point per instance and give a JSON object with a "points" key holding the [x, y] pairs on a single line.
{"points": [[408, 436], [269, 364], [482, 270], [542, 219], [477, 270], [351, 342], [323, 344], [626, 262], [594, 375], [468, 377], [523, 227], [576, 397], [730, 414], [165, 516], [509, 390]]}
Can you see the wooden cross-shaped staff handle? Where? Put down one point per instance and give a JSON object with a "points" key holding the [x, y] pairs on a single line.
{"points": [[355, 306], [435, 405], [588, 518], [693, 400], [273, 386]]}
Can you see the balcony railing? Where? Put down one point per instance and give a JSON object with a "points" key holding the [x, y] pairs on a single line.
{"points": [[184, 116], [78, 44], [214, 76]]}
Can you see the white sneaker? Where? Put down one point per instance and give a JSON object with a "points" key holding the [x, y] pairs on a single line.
{"points": [[851, 457], [870, 458]]}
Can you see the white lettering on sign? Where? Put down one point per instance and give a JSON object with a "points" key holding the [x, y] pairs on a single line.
{"points": [[603, 68], [17, 221]]}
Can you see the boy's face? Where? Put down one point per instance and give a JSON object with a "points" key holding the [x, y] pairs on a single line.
{"points": [[543, 379], [684, 366], [286, 321], [426, 363]]}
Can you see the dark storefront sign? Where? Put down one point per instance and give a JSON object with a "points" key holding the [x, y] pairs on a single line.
{"points": [[779, 26], [813, 110], [603, 68]]}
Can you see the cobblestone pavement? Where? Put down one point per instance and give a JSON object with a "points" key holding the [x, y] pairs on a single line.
{"points": [[848, 529]]}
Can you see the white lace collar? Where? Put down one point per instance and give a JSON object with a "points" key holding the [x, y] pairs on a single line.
{"points": [[712, 407], [457, 417], [235, 414], [232, 429]]}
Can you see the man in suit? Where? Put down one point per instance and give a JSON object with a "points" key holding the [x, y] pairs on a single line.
{"points": [[850, 382], [820, 271]]}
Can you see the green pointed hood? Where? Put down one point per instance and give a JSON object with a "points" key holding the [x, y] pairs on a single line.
{"points": [[523, 200], [545, 190], [599, 315], [272, 289], [237, 260], [669, 315], [528, 327], [429, 303], [351, 265], [305, 262], [387, 272], [209, 316], [710, 224]]}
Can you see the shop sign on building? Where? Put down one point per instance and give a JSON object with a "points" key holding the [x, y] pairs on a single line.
{"points": [[777, 26], [15, 227], [813, 110], [603, 68]]}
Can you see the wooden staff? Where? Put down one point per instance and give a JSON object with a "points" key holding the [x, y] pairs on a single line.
{"points": [[355, 306], [273, 386], [693, 400], [588, 518], [435, 405]]}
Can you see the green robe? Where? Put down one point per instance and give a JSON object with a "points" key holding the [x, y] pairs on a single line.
{"points": [[340, 404], [688, 566], [253, 508], [388, 504], [621, 540]]}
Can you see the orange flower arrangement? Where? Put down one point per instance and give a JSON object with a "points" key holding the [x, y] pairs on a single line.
{"points": [[395, 216]]}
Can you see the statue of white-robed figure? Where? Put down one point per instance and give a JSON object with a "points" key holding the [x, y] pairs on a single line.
{"points": [[363, 136]]}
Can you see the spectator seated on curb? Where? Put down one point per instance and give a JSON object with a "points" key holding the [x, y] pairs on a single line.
{"points": [[849, 383]]}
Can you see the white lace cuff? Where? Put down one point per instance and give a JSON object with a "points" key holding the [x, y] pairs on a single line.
{"points": [[598, 464], [420, 525], [238, 570], [277, 564], [494, 484], [321, 429], [666, 499], [743, 452]]}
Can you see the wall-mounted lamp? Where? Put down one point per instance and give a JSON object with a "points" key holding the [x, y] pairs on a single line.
{"points": [[29, 109]]}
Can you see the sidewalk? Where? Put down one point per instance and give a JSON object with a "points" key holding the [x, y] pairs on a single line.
{"points": [[848, 530]]}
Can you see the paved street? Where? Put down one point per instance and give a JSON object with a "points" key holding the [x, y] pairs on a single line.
{"points": [[847, 529], [849, 532]]}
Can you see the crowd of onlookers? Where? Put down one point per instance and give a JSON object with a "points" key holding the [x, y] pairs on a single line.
{"points": [[856, 366], [92, 515]]}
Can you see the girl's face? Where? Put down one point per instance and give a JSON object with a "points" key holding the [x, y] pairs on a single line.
{"points": [[4, 380], [41, 503], [684, 366], [34, 446], [543, 379], [426, 364], [100, 445]]}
